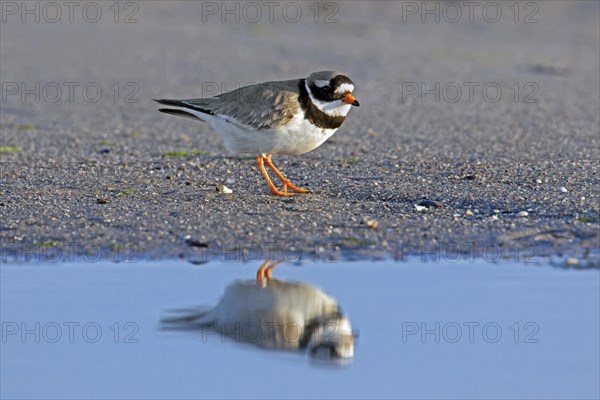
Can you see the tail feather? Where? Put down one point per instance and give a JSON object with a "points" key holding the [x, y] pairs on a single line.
{"points": [[171, 102], [181, 113], [188, 319], [181, 104]]}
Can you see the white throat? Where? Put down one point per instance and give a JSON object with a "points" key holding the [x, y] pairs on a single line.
{"points": [[336, 108]]}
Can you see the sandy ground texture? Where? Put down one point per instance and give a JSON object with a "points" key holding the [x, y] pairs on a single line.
{"points": [[478, 136]]}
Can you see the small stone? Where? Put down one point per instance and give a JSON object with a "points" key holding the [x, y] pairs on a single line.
{"points": [[469, 213], [572, 262], [538, 181], [494, 217], [372, 224], [522, 214], [428, 204], [224, 189], [102, 200], [563, 189]]}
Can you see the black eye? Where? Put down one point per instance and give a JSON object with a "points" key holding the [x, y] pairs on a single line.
{"points": [[327, 89]]}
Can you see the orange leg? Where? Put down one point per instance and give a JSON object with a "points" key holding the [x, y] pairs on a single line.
{"points": [[269, 270], [260, 274], [265, 272], [286, 182], [272, 188]]}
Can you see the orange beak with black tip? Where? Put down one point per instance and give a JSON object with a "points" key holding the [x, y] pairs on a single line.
{"points": [[349, 99]]}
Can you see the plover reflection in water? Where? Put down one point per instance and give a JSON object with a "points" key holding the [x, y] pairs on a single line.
{"points": [[274, 314]]}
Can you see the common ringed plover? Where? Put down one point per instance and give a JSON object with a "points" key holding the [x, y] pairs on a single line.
{"points": [[281, 117]]}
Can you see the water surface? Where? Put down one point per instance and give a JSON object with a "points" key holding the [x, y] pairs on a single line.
{"points": [[425, 330]]}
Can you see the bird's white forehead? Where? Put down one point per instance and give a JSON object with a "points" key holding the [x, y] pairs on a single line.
{"points": [[321, 83], [344, 87]]}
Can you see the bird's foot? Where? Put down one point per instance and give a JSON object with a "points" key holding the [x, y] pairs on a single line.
{"points": [[287, 184], [278, 192]]}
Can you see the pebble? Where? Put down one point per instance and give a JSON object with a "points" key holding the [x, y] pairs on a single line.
{"points": [[522, 214], [563, 189], [469, 213], [372, 224], [426, 204], [224, 189]]}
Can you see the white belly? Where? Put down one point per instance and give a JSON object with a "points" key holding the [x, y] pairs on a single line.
{"points": [[298, 136]]}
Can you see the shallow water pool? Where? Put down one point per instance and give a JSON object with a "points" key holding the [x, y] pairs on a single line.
{"points": [[424, 330]]}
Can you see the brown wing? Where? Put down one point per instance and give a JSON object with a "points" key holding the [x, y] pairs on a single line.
{"points": [[262, 106]]}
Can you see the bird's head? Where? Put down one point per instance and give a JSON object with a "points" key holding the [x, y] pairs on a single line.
{"points": [[331, 92], [332, 339]]}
